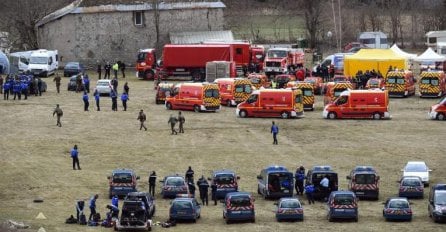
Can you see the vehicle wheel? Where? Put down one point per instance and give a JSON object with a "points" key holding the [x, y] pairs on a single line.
{"points": [[168, 105], [194, 220], [330, 219], [376, 116], [356, 219], [196, 76], [228, 103], [243, 114], [332, 115], [284, 115], [196, 108], [440, 116], [253, 220], [149, 74], [228, 221]]}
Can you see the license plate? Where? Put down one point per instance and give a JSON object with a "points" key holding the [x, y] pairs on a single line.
{"points": [[289, 212], [180, 69], [398, 212], [359, 193], [339, 210], [236, 212], [286, 191]]}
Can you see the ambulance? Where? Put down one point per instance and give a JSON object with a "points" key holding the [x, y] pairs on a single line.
{"points": [[432, 84], [307, 92], [194, 96], [284, 103], [438, 111], [359, 104], [259, 80], [233, 90], [400, 83], [332, 90], [162, 91]]}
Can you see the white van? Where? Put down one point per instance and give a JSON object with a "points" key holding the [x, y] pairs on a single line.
{"points": [[43, 62], [374, 39], [19, 61], [337, 60]]}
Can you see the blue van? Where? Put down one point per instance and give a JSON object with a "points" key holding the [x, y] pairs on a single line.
{"points": [[226, 182], [342, 204], [275, 182], [238, 206]]}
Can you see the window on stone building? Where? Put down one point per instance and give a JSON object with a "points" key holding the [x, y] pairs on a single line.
{"points": [[138, 16]]}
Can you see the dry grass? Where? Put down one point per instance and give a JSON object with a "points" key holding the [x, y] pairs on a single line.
{"points": [[35, 161]]}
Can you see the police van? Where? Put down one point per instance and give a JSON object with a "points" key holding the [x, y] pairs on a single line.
{"points": [[275, 182], [364, 182], [437, 202], [342, 205], [316, 174], [226, 182]]}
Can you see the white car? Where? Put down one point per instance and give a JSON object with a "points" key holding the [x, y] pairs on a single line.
{"points": [[104, 86], [417, 168]]}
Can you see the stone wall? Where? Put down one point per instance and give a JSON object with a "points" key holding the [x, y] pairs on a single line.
{"points": [[110, 36]]}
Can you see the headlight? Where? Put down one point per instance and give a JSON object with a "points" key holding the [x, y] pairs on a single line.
{"points": [[143, 64], [437, 209]]}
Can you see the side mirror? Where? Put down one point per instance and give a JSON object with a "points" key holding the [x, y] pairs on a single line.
{"points": [[238, 177], [259, 177], [348, 177], [137, 177]]}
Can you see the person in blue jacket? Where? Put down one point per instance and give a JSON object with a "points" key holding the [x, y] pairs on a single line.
{"points": [[75, 156], [85, 99], [96, 98], [114, 98], [25, 88], [93, 206], [274, 131], [6, 88], [17, 89], [86, 81], [300, 177], [115, 201], [124, 98], [309, 191]]}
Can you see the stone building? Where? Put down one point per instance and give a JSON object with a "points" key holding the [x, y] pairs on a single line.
{"points": [[106, 30]]}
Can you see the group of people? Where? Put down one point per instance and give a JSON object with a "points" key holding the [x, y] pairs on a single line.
{"points": [[113, 95], [324, 71], [309, 189], [18, 85], [117, 66], [363, 77]]}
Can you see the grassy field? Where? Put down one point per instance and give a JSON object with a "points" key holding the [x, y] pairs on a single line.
{"points": [[35, 160]]}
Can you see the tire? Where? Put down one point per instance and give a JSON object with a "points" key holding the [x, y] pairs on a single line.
{"points": [[149, 74], [228, 221], [440, 117], [243, 114], [196, 108], [356, 219], [253, 220], [376, 116], [258, 191], [330, 219], [196, 76], [284, 115], [332, 115], [169, 105], [228, 103]]}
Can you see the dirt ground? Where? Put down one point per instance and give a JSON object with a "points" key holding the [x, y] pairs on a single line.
{"points": [[35, 160]]}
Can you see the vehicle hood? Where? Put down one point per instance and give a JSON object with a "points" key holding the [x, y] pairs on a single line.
{"points": [[422, 175], [37, 66]]}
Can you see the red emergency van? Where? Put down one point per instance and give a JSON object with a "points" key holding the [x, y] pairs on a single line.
{"points": [[233, 90], [359, 104], [194, 96], [284, 103], [438, 111]]}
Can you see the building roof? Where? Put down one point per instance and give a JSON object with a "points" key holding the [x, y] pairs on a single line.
{"points": [[102, 6], [196, 37]]}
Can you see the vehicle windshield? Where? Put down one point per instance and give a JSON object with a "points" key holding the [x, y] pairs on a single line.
{"points": [[71, 65], [103, 83], [365, 178], [276, 54], [141, 57], [395, 80], [224, 179], [344, 199], [175, 181], [255, 80], [122, 178], [312, 81], [431, 81], [181, 205], [337, 92], [252, 98], [416, 168], [240, 201], [440, 197], [38, 60], [307, 92], [411, 182], [398, 204], [290, 204], [374, 82], [243, 89], [212, 93]]}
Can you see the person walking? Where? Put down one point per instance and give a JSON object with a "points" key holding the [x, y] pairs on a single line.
{"points": [[99, 70], [124, 99], [152, 183], [274, 131], [189, 176], [114, 97], [181, 121], [93, 206], [142, 119], [203, 187], [214, 192], [75, 156], [107, 68], [59, 113], [309, 191], [97, 97], [57, 79], [126, 88], [115, 68], [300, 177], [85, 98], [172, 120], [122, 68]]}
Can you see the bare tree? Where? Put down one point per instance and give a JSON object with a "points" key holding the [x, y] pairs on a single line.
{"points": [[312, 12]]}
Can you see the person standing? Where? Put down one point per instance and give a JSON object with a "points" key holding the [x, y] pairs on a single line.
{"points": [[152, 183], [325, 184], [122, 68], [79, 209], [172, 120], [93, 206], [39, 85], [24, 89], [142, 119], [96, 98], [124, 98], [189, 176], [309, 191], [126, 88], [6, 88], [1, 84], [99, 70], [274, 131], [114, 83], [115, 68], [85, 99], [86, 82], [203, 187], [75, 156], [214, 192], [192, 188], [181, 120], [300, 177], [17, 89], [107, 68], [57, 79], [59, 113], [115, 201], [114, 98]]}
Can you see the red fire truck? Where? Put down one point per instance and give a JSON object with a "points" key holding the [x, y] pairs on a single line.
{"points": [[283, 60]]}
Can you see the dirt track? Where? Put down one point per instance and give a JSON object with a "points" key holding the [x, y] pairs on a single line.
{"points": [[35, 161]]}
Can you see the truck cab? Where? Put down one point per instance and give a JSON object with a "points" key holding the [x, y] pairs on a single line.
{"points": [[316, 174], [226, 182], [233, 90], [282, 60], [275, 182], [332, 90], [146, 64], [162, 91], [122, 182], [364, 182]]}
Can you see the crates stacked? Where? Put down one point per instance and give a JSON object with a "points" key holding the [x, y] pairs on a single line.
{"points": [[217, 69]]}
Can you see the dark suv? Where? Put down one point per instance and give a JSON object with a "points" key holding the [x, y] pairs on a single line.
{"points": [[133, 217], [146, 198], [316, 174], [122, 182], [437, 202]]}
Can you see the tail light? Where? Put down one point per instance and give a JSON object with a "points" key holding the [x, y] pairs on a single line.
{"points": [[280, 211], [388, 210], [409, 211], [165, 187], [402, 188]]}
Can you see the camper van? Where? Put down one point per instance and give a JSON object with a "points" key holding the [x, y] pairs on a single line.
{"points": [[43, 62], [374, 39]]}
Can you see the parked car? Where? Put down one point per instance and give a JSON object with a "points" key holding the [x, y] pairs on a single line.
{"points": [[184, 208], [417, 168], [146, 198], [72, 85], [397, 208], [411, 186], [121, 182], [104, 86], [437, 202], [173, 185], [342, 204], [133, 217], [238, 206], [73, 68], [289, 209]]}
